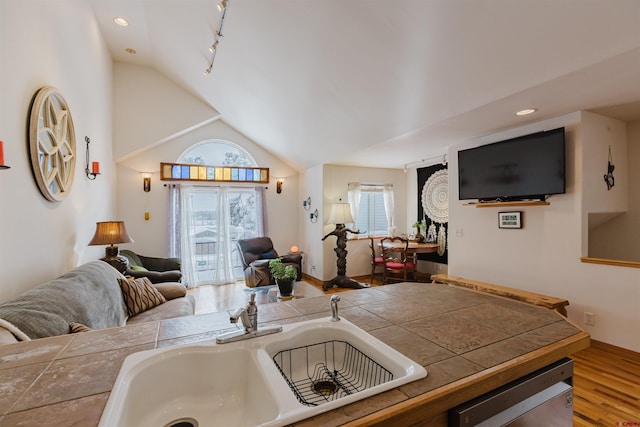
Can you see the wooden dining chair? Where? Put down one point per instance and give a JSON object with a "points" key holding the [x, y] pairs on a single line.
{"points": [[397, 265], [376, 258]]}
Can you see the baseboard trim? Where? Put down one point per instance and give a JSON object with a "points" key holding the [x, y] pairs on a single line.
{"points": [[310, 279]]}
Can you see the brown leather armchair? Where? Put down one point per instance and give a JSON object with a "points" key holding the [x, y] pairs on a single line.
{"points": [[158, 270], [256, 253]]}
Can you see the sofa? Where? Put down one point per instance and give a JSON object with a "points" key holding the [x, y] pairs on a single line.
{"points": [[158, 270], [92, 296], [256, 254]]}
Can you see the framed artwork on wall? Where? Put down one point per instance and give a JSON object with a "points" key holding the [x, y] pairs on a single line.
{"points": [[52, 144], [510, 219]]}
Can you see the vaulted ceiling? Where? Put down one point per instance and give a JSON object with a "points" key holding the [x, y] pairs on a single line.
{"points": [[384, 83]]}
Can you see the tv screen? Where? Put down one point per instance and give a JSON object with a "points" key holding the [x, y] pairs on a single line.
{"points": [[527, 167]]}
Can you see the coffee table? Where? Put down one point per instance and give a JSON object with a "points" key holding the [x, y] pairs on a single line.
{"points": [[300, 290]]}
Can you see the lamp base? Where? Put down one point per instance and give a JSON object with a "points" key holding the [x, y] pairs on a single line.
{"points": [[119, 262], [344, 282], [114, 259]]}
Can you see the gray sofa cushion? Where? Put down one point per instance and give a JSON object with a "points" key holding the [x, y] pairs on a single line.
{"points": [[89, 294]]}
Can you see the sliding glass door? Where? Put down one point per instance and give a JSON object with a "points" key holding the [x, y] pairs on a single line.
{"points": [[214, 219]]}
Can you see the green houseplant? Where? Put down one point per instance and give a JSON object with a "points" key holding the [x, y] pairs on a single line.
{"points": [[418, 226], [284, 276]]}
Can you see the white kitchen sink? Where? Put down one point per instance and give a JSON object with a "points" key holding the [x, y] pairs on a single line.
{"points": [[308, 368]]}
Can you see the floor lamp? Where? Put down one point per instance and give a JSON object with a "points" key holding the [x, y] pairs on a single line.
{"points": [[341, 215]]}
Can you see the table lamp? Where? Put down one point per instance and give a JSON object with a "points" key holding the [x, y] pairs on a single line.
{"points": [[109, 233]]}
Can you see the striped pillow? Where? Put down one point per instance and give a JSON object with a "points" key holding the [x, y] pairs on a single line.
{"points": [[74, 328], [139, 295]]}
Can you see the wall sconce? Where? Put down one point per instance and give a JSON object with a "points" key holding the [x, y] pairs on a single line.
{"points": [[279, 185], [313, 216], [306, 204], [146, 181], [2, 165], [95, 166], [146, 187]]}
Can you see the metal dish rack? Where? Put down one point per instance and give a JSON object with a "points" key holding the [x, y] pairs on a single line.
{"points": [[327, 371]]}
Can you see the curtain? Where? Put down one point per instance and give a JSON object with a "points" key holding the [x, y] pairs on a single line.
{"points": [[261, 212], [187, 242], [174, 221], [353, 197], [223, 247], [389, 207]]}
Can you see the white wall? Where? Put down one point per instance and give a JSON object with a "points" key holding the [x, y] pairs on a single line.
{"points": [[52, 43], [149, 108], [311, 186], [544, 256], [336, 178]]}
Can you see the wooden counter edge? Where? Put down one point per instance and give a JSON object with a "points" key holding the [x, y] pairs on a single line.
{"points": [[554, 303], [432, 407]]}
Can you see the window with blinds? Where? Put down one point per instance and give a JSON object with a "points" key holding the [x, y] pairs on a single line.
{"points": [[372, 219]]}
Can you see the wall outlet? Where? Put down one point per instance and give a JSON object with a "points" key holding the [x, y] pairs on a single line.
{"points": [[459, 232], [589, 318]]}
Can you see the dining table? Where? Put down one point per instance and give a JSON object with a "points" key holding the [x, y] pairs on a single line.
{"points": [[413, 247]]}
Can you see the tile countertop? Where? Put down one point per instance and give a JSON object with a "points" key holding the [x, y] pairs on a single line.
{"points": [[469, 342]]}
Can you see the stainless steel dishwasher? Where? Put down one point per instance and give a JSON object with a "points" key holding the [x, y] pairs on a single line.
{"points": [[542, 398]]}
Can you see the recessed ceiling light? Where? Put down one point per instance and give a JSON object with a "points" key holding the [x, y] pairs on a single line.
{"points": [[120, 21], [131, 51], [526, 111]]}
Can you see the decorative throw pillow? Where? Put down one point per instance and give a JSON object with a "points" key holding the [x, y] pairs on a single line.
{"points": [[139, 295], [74, 328], [137, 268], [171, 290]]}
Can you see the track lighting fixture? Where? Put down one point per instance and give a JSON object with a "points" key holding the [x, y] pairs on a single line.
{"points": [[222, 7], [443, 161]]}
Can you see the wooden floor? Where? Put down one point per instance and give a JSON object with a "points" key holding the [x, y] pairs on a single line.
{"points": [[227, 297], [606, 378], [606, 386]]}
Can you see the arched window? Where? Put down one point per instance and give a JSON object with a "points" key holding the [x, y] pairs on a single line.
{"points": [[208, 219], [217, 152]]}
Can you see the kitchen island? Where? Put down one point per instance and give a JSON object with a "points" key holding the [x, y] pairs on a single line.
{"points": [[469, 342]]}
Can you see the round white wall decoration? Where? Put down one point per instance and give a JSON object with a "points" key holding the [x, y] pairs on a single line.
{"points": [[52, 144], [435, 196]]}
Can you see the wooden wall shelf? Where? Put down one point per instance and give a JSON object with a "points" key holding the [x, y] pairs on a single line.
{"points": [[615, 262], [508, 204]]}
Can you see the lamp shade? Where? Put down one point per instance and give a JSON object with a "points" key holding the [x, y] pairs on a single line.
{"points": [[340, 214], [109, 233]]}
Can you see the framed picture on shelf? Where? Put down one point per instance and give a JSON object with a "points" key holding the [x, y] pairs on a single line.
{"points": [[510, 219]]}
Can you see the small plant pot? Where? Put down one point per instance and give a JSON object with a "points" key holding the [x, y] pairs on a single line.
{"points": [[285, 287]]}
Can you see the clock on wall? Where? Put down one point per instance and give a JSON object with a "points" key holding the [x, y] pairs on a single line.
{"points": [[52, 144]]}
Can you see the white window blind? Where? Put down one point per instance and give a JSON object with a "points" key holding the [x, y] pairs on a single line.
{"points": [[372, 219]]}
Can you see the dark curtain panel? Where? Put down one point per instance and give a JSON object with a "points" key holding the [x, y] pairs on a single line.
{"points": [[423, 176]]}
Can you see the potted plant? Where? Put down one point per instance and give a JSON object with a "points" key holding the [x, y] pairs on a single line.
{"points": [[419, 225], [284, 276]]}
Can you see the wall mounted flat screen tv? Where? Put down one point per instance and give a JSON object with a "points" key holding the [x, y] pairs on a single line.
{"points": [[523, 168]]}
